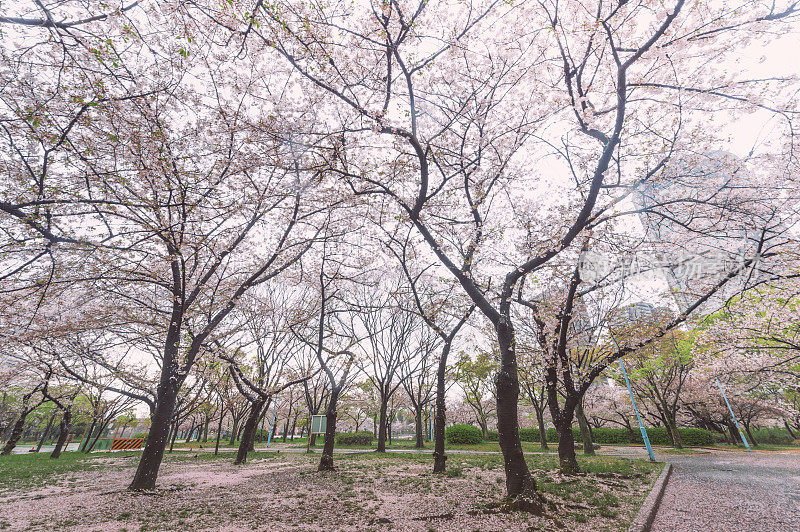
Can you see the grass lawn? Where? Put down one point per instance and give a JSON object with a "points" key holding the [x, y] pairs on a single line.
{"points": [[283, 491]]}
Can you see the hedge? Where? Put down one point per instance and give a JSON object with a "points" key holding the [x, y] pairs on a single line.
{"points": [[466, 434], [354, 438], [691, 437]]}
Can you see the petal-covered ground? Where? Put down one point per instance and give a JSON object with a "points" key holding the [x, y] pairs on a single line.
{"points": [[283, 491]]}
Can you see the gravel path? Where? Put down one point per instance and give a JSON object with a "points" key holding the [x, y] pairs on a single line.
{"points": [[731, 491]]}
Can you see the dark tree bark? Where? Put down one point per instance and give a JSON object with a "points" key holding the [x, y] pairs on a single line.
{"points": [[46, 432], [88, 436], [518, 477], [153, 453], [420, 443], [249, 431], [586, 434], [99, 433], [567, 460], [65, 426], [789, 428], [326, 460], [382, 433], [234, 432], [219, 431], [439, 420], [542, 429], [16, 432]]}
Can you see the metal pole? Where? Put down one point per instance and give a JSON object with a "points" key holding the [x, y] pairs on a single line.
{"points": [[274, 415], [638, 417], [736, 421]]}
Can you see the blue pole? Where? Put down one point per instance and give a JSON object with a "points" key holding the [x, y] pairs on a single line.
{"points": [[736, 421], [274, 415], [638, 417]]}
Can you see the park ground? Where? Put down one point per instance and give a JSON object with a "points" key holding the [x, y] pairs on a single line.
{"points": [[281, 490]]}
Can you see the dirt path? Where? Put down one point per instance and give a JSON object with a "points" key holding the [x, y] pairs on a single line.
{"points": [[732, 491]]}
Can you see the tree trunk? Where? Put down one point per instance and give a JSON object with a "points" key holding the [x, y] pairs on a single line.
{"points": [[672, 427], [542, 430], [753, 441], [420, 444], [153, 454], [45, 433], [735, 438], [97, 435], [518, 478], [326, 460], [567, 462], [16, 432], [66, 425], [219, 431], [382, 427], [175, 431], [88, 436], [586, 436], [234, 432], [249, 432], [439, 420], [789, 428]]}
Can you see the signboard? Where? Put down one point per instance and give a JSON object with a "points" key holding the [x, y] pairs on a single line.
{"points": [[319, 424]]}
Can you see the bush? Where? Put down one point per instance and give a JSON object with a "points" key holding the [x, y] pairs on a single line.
{"points": [[466, 434], [696, 437], [691, 437], [773, 436], [492, 435], [354, 438]]}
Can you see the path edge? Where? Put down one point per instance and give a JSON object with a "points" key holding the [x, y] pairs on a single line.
{"points": [[647, 513]]}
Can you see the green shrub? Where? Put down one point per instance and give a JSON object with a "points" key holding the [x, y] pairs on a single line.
{"points": [[696, 437], [354, 438], [466, 434], [610, 436], [691, 437], [773, 436], [492, 435]]}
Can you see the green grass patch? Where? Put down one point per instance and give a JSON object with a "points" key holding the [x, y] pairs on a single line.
{"points": [[38, 469]]}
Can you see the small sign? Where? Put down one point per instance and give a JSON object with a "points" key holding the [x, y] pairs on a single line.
{"points": [[319, 424]]}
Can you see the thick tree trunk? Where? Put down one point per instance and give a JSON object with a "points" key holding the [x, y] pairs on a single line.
{"points": [[567, 462], [249, 432], [326, 460], [586, 435], [518, 478], [542, 430], [16, 432], [420, 444], [66, 425], [439, 420], [382, 426], [153, 454]]}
